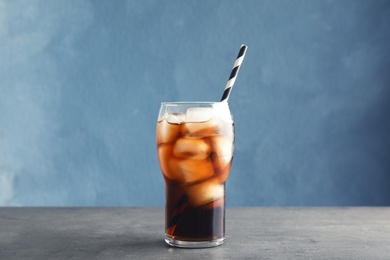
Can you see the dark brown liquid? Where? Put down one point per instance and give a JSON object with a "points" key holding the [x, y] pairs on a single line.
{"points": [[185, 222]]}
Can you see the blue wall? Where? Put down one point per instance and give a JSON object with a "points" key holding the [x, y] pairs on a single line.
{"points": [[81, 83]]}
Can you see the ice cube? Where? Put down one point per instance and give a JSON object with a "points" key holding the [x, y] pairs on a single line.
{"points": [[191, 148], [198, 114], [221, 171], [221, 109], [191, 170], [164, 152], [223, 148], [167, 132], [175, 118], [214, 204], [201, 129], [205, 192]]}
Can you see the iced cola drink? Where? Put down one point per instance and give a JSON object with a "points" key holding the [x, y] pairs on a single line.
{"points": [[195, 150]]}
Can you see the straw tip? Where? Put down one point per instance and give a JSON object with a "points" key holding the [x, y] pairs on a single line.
{"points": [[243, 48]]}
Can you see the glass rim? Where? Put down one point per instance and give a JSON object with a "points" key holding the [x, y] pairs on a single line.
{"points": [[189, 102]]}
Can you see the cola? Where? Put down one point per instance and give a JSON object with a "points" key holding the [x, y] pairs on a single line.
{"points": [[195, 145]]}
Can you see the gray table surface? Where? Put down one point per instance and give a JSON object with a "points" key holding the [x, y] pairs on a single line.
{"points": [[251, 233]]}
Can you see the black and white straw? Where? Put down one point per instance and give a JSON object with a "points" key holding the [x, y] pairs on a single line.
{"points": [[234, 73]]}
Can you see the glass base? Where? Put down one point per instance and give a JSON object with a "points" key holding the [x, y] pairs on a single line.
{"points": [[193, 244]]}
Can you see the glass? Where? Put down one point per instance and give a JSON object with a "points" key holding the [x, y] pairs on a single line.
{"points": [[195, 142]]}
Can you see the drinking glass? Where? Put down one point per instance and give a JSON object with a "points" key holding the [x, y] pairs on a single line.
{"points": [[195, 142]]}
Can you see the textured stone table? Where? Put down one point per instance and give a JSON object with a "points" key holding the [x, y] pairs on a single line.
{"points": [[252, 233]]}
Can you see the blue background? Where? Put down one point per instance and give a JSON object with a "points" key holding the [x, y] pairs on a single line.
{"points": [[81, 83]]}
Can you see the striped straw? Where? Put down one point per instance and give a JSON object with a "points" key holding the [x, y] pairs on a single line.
{"points": [[234, 73]]}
